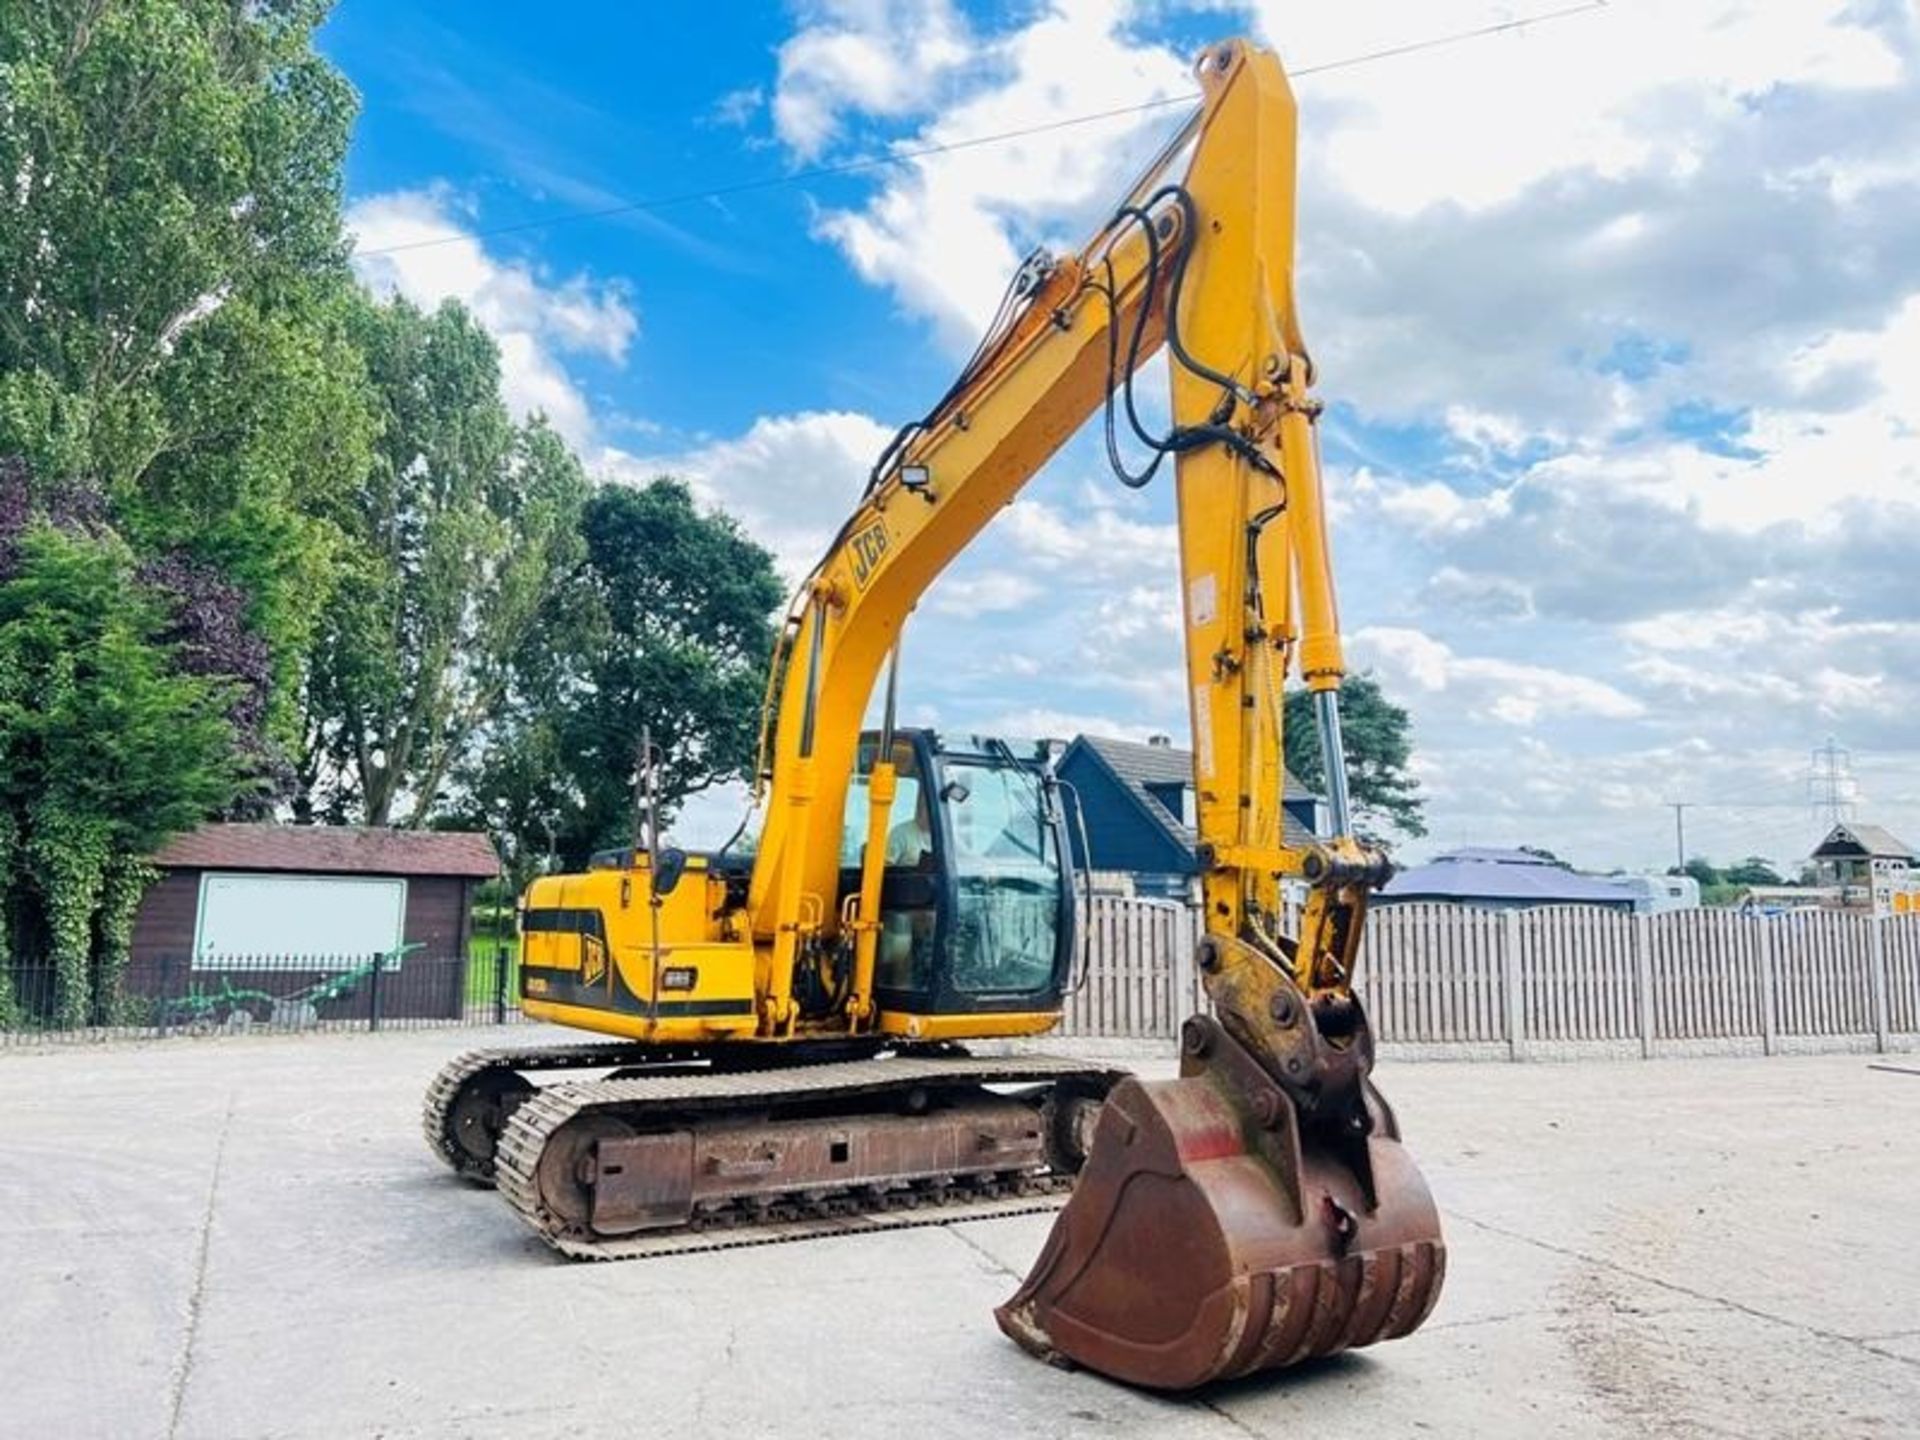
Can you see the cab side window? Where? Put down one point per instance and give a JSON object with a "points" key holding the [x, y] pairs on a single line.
{"points": [[909, 837]]}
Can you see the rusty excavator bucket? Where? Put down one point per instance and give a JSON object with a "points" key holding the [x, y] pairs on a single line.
{"points": [[1224, 1223]]}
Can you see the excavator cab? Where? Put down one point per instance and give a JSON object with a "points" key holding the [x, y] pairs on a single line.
{"points": [[976, 898]]}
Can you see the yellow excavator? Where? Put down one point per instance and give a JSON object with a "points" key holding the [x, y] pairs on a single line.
{"points": [[791, 1019]]}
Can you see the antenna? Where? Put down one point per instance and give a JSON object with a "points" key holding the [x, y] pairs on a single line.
{"points": [[645, 820], [647, 799]]}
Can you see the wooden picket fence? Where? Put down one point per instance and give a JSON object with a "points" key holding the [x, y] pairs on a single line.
{"points": [[1135, 979], [1573, 979]]}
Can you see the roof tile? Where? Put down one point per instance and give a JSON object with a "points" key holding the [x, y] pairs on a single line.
{"points": [[331, 849], [1139, 766]]}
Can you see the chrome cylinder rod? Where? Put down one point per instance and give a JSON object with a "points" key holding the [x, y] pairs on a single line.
{"points": [[1333, 758], [893, 694]]}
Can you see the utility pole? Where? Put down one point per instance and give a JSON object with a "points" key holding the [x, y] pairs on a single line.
{"points": [[1679, 808]]}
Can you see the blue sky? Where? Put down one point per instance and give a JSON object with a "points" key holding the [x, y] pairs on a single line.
{"points": [[1618, 319], [518, 118]]}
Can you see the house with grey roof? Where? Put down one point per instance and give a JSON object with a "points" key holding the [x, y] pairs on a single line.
{"points": [[1859, 860], [1137, 803]]}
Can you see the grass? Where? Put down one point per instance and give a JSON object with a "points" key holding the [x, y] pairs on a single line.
{"points": [[483, 962]]}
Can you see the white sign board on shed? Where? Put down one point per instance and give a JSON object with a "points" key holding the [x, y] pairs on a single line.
{"points": [[336, 920]]}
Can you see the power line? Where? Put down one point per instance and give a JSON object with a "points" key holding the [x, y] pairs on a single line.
{"points": [[901, 157], [1412, 47], [1745, 804], [1743, 827], [795, 177]]}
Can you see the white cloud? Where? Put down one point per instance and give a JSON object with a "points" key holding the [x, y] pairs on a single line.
{"points": [[1756, 668], [790, 479], [946, 234], [1456, 592], [880, 57], [1699, 631], [1093, 543], [986, 593], [1695, 683], [1638, 285], [535, 321], [1484, 687], [1425, 505], [1612, 809], [739, 106], [1042, 722], [1628, 87]]}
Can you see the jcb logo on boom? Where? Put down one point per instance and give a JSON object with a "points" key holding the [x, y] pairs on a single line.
{"points": [[868, 546]]}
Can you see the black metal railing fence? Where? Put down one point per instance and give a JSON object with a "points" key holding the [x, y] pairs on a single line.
{"points": [[161, 996]]}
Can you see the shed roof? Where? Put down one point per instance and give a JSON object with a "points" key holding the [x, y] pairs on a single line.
{"points": [[1138, 766], [332, 849], [1870, 840], [1508, 876]]}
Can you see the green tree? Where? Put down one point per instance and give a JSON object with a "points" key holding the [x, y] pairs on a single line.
{"points": [[454, 542], [1378, 738], [1701, 869], [665, 626], [165, 159], [273, 420], [518, 788], [105, 749], [1754, 870], [173, 289]]}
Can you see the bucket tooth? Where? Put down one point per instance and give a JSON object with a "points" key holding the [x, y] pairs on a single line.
{"points": [[1211, 1235]]}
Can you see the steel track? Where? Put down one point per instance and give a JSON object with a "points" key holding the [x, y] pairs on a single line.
{"points": [[438, 1123], [799, 1216], [436, 1112]]}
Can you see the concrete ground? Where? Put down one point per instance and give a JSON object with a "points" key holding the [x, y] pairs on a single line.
{"points": [[246, 1237]]}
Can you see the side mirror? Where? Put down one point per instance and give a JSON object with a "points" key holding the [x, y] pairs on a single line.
{"points": [[954, 793], [669, 865]]}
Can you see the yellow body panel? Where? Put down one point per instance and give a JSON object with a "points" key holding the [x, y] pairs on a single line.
{"points": [[638, 1027], [968, 1027], [595, 954]]}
